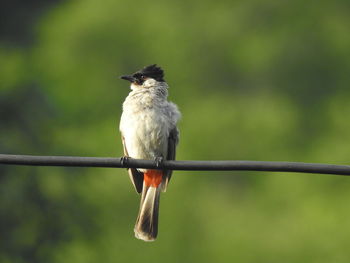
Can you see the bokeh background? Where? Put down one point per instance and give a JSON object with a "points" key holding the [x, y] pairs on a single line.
{"points": [[255, 80]]}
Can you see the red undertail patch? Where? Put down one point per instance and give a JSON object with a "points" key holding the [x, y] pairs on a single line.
{"points": [[153, 177]]}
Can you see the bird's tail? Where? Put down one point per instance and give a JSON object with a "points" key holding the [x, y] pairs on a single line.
{"points": [[146, 227]]}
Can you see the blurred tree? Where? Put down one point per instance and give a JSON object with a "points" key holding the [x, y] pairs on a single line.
{"points": [[254, 80], [18, 18]]}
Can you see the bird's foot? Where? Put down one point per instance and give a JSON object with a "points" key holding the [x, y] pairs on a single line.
{"points": [[158, 161], [124, 160]]}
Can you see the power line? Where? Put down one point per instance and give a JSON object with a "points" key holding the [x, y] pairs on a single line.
{"points": [[299, 167]]}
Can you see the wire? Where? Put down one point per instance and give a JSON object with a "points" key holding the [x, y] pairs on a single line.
{"points": [[299, 167]]}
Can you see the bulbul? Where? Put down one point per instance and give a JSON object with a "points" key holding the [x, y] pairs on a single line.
{"points": [[148, 129]]}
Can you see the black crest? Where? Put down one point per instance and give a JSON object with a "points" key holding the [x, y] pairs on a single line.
{"points": [[152, 71], [140, 76]]}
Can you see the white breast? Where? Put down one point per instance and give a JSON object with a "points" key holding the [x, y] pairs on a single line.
{"points": [[145, 125], [145, 134]]}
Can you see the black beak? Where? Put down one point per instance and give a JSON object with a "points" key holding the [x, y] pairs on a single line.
{"points": [[129, 78]]}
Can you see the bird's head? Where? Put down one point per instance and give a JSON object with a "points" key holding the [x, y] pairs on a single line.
{"points": [[147, 77]]}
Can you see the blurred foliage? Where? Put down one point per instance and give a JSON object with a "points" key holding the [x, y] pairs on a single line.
{"points": [[254, 80]]}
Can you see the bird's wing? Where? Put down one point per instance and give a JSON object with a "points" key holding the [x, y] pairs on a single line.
{"points": [[173, 139], [136, 177]]}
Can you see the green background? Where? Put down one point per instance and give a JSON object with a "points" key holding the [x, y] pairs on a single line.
{"points": [[254, 80]]}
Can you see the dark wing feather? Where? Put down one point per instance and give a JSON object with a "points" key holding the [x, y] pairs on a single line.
{"points": [[172, 142], [136, 177]]}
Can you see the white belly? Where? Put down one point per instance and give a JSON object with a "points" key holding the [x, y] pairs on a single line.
{"points": [[145, 133]]}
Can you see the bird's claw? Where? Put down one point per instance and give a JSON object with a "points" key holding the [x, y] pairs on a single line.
{"points": [[124, 160], [158, 161]]}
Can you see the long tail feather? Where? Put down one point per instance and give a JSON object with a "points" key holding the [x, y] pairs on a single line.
{"points": [[146, 227]]}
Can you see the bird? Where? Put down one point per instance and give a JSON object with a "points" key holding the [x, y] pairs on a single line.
{"points": [[148, 128]]}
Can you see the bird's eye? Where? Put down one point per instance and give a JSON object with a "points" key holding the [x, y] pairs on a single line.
{"points": [[143, 77]]}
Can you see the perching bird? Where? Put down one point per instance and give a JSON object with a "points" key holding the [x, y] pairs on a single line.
{"points": [[148, 129]]}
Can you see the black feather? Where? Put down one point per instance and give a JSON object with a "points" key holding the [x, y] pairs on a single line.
{"points": [[152, 71]]}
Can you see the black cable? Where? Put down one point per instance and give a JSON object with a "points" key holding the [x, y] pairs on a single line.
{"points": [[10, 159]]}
